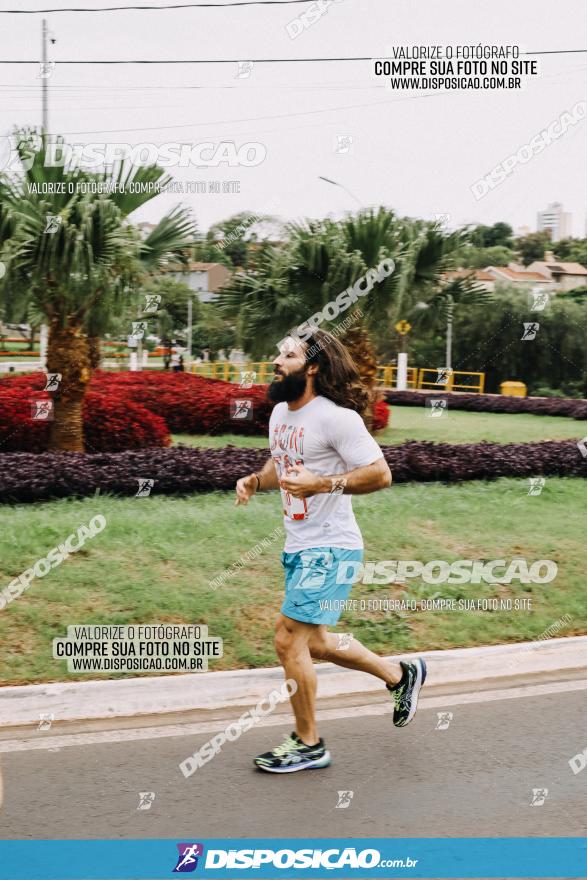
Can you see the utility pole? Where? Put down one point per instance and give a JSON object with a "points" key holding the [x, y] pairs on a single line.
{"points": [[189, 335], [44, 132], [44, 78]]}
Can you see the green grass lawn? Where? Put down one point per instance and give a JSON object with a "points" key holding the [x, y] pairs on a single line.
{"points": [[156, 557], [412, 423]]}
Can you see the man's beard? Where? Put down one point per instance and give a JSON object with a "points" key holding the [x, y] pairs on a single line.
{"points": [[289, 388]]}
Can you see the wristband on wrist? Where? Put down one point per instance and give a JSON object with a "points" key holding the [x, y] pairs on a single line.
{"points": [[337, 485]]}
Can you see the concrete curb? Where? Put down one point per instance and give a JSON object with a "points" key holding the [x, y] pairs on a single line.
{"points": [[154, 700]]}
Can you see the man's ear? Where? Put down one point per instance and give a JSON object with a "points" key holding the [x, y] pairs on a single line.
{"points": [[312, 370]]}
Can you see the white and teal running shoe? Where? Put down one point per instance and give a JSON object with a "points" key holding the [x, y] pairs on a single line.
{"points": [[293, 755], [405, 693]]}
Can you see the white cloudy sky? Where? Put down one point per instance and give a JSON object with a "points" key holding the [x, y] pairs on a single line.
{"points": [[417, 154]]}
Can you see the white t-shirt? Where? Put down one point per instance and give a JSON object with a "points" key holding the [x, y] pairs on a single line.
{"points": [[327, 439]]}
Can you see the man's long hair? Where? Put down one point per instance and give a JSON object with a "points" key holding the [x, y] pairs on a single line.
{"points": [[337, 378]]}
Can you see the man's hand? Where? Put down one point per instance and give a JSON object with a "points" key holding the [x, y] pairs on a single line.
{"points": [[302, 483], [245, 489]]}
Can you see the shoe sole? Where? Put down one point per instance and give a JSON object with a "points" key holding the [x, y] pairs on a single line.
{"points": [[420, 679], [324, 761]]}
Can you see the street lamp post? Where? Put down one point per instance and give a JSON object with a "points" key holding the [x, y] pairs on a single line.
{"points": [[449, 319], [189, 335], [335, 183]]}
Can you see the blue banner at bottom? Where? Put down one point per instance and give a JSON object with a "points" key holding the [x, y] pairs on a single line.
{"points": [[529, 857]]}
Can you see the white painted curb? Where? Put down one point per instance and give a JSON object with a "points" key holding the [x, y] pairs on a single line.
{"points": [[456, 670]]}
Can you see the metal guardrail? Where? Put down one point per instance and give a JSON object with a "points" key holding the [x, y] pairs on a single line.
{"points": [[450, 382], [386, 374], [230, 372], [418, 377]]}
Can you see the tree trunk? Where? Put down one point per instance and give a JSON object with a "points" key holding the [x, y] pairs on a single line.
{"points": [[68, 355], [32, 339], [94, 352], [362, 352]]}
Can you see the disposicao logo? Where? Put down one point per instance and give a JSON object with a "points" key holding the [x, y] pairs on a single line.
{"points": [[187, 861]]}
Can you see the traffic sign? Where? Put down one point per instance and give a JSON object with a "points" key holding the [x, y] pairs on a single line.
{"points": [[403, 327]]}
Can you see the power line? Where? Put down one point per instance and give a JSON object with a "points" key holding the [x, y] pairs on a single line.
{"points": [[5, 88], [255, 118], [255, 60], [556, 52], [203, 61], [154, 8]]}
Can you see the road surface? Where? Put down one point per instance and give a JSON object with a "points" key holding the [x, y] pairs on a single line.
{"points": [[474, 778]]}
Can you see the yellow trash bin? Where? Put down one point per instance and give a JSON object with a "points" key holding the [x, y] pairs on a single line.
{"points": [[513, 389]]}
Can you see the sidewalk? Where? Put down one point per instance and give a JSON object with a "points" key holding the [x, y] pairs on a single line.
{"points": [[150, 701]]}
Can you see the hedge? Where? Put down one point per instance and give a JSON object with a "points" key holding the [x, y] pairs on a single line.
{"points": [[28, 477], [134, 410], [496, 403], [110, 424]]}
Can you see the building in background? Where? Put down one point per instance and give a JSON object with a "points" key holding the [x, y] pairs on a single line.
{"points": [[520, 276], [555, 221], [481, 277], [205, 279], [564, 276]]}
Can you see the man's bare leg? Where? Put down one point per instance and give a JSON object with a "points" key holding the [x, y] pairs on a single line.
{"points": [[324, 645], [291, 643]]}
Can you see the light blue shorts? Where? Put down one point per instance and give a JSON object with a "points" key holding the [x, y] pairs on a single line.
{"points": [[317, 581]]}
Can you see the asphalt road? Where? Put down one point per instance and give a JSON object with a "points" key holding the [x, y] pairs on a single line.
{"points": [[475, 778]]}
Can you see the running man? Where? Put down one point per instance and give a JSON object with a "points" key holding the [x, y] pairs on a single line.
{"points": [[321, 454]]}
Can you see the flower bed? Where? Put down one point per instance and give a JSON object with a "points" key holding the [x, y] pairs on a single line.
{"points": [[26, 477], [109, 424], [497, 403], [139, 409], [189, 404]]}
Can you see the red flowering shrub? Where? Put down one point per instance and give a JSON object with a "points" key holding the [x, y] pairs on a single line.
{"points": [[110, 425], [190, 404], [18, 430], [137, 410], [380, 415]]}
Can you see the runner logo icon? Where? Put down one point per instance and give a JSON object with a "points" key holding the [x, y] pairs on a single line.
{"points": [[187, 860]]}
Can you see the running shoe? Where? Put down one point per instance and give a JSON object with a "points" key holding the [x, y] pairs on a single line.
{"points": [[405, 693], [293, 755]]}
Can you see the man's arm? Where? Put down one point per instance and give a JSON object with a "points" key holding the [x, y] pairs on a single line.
{"points": [[266, 478], [301, 483]]}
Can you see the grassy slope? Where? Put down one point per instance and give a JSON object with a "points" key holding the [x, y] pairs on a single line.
{"points": [[412, 423], [154, 561]]}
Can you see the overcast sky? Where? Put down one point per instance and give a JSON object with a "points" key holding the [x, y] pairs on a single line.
{"points": [[418, 154]]}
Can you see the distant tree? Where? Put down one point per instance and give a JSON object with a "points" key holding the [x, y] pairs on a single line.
{"points": [[206, 250], [571, 250], [479, 258], [171, 316], [498, 235], [532, 247], [234, 236], [212, 331], [490, 341], [502, 235]]}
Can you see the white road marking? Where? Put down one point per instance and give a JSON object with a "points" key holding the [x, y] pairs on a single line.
{"points": [[55, 743]]}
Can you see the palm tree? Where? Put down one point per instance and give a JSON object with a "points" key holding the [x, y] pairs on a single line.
{"points": [[319, 260], [72, 254], [322, 258]]}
